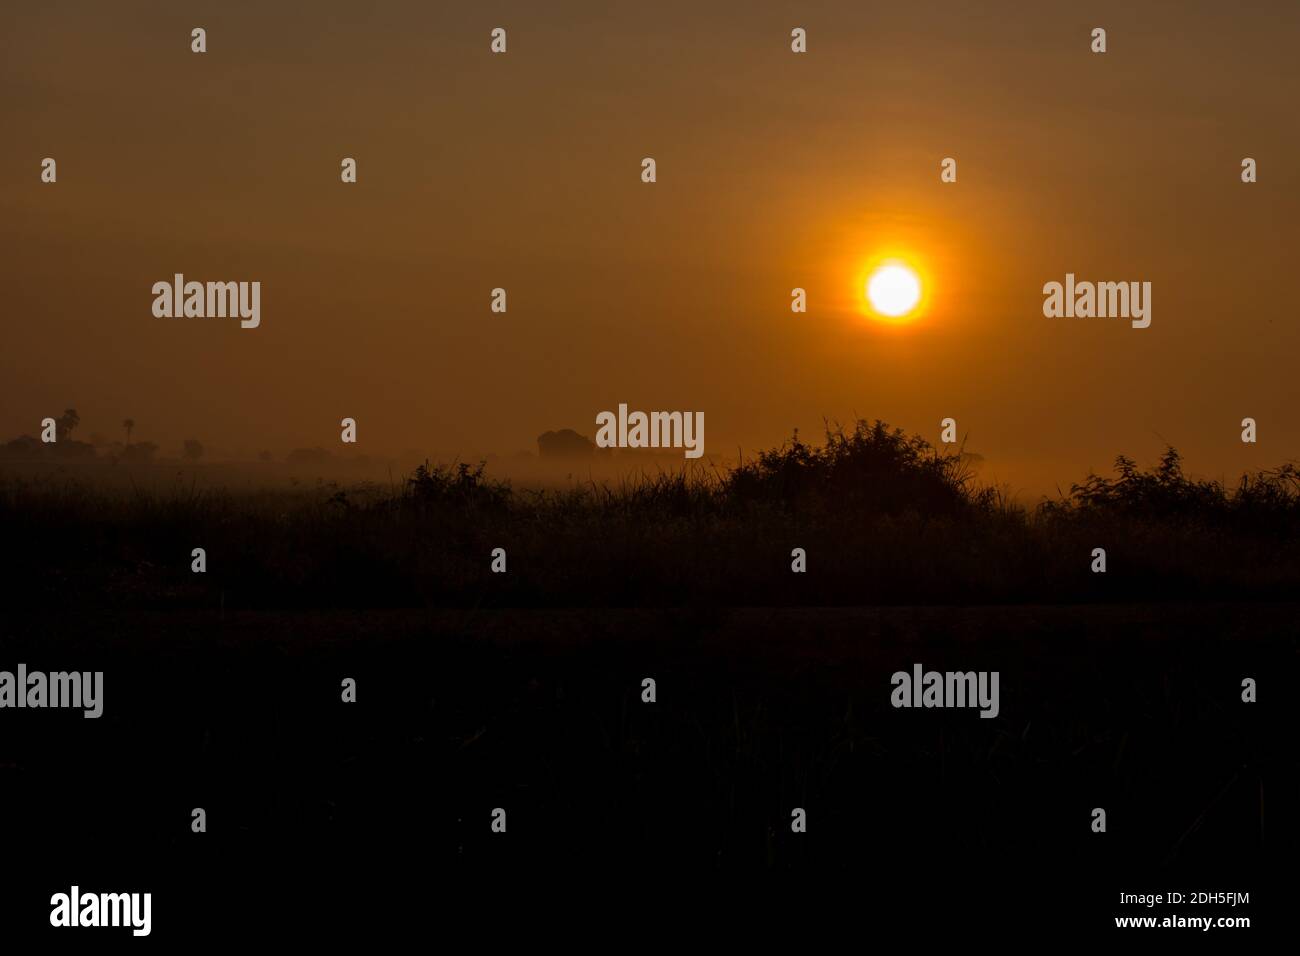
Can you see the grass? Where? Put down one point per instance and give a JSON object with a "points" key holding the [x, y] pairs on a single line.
{"points": [[883, 517], [522, 690], [1135, 709]]}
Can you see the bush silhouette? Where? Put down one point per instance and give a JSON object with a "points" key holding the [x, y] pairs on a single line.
{"points": [[460, 485], [1263, 502], [870, 469]]}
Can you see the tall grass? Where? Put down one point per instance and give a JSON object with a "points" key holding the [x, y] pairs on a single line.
{"points": [[882, 516]]}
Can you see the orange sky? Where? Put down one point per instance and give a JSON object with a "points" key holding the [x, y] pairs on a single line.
{"points": [[775, 170]]}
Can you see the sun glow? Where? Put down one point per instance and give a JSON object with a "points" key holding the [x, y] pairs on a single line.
{"points": [[894, 290]]}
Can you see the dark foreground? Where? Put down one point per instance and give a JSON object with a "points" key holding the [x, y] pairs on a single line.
{"points": [[375, 816]]}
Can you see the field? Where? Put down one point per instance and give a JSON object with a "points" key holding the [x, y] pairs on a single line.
{"points": [[522, 690], [881, 518], [1132, 708]]}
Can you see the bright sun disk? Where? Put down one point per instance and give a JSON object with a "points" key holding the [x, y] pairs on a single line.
{"points": [[894, 290]]}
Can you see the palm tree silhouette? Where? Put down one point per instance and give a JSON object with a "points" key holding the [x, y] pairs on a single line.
{"points": [[129, 425]]}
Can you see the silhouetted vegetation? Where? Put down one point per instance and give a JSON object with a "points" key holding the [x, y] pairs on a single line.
{"points": [[869, 470], [761, 710], [882, 517], [1262, 503], [461, 486], [470, 703], [565, 443], [67, 423]]}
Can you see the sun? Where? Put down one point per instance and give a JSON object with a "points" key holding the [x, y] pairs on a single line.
{"points": [[894, 290]]}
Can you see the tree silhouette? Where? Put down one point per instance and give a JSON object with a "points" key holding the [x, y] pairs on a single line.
{"points": [[129, 425], [565, 443], [68, 421]]}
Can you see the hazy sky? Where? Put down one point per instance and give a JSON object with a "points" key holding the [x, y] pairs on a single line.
{"points": [[775, 170]]}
